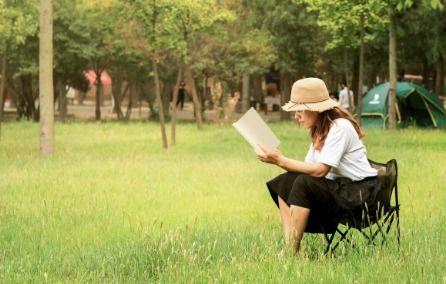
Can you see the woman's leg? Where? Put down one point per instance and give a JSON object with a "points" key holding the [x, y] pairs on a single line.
{"points": [[285, 217], [299, 217]]}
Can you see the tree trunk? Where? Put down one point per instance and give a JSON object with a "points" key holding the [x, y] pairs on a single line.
{"points": [[46, 103], [62, 100], [133, 89], [117, 95], [392, 70], [245, 93], [159, 100], [206, 93], [174, 106], [361, 70], [355, 76], [425, 73], [2, 90], [439, 82], [256, 89], [98, 94], [285, 94], [197, 108], [347, 82]]}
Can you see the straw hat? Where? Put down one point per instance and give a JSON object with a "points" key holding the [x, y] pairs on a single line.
{"points": [[309, 94]]}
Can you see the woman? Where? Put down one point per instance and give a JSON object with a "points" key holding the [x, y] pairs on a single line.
{"points": [[335, 174]]}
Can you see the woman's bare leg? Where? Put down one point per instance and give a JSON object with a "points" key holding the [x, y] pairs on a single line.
{"points": [[285, 217], [299, 217]]}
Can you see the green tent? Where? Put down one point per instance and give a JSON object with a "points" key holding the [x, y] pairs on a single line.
{"points": [[415, 106]]}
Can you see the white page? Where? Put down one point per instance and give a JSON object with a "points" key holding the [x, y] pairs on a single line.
{"points": [[252, 127]]}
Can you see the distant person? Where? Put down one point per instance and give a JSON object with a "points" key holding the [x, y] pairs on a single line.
{"points": [[334, 96], [346, 98], [230, 107], [181, 95]]}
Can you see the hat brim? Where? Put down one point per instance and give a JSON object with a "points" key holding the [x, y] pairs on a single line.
{"points": [[319, 107]]}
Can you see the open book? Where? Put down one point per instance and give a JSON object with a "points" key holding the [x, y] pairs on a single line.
{"points": [[252, 127]]}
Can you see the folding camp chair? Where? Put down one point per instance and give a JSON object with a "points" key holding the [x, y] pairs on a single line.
{"points": [[377, 221]]}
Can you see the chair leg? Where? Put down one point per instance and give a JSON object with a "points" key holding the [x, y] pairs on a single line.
{"points": [[398, 233], [343, 237], [365, 235], [329, 241], [379, 230]]}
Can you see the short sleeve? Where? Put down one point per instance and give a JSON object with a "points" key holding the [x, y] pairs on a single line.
{"points": [[309, 158], [335, 144]]}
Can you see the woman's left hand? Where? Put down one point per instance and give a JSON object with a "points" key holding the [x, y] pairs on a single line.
{"points": [[270, 156]]}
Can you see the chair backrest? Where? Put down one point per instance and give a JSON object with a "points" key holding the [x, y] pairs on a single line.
{"points": [[388, 174]]}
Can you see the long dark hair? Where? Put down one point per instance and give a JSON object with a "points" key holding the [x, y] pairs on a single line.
{"points": [[319, 130]]}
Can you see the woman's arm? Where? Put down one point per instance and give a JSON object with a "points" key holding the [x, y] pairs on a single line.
{"points": [[276, 158]]}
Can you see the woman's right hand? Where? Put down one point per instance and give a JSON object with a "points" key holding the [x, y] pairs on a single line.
{"points": [[270, 156]]}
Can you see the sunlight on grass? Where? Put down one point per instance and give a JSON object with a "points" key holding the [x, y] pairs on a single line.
{"points": [[113, 206]]}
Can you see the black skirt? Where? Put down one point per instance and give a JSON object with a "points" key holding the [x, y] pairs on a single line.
{"points": [[326, 198]]}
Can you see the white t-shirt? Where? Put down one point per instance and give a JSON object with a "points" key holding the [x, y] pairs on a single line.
{"points": [[344, 99], [344, 152]]}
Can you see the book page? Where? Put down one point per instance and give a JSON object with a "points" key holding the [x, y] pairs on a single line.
{"points": [[254, 129]]}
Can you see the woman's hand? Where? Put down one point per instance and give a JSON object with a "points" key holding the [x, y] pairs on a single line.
{"points": [[270, 156]]}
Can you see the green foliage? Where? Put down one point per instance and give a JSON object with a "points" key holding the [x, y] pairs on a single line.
{"points": [[341, 20], [19, 20], [296, 39]]}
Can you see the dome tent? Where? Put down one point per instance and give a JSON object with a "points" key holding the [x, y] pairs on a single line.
{"points": [[415, 106]]}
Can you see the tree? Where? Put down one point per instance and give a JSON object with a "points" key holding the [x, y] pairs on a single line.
{"points": [[250, 49], [196, 22], [346, 22], [70, 43], [97, 29], [46, 92], [150, 19], [19, 21], [392, 68], [297, 41]]}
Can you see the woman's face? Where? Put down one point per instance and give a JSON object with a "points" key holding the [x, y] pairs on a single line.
{"points": [[306, 117]]}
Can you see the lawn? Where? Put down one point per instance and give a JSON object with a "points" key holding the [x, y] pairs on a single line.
{"points": [[113, 206]]}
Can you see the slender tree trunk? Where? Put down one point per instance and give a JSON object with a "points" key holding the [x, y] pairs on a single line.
{"points": [[197, 108], [46, 103], [205, 92], [256, 89], [347, 82], [174, 106], [425, 73], [245, 92], [117, 96], [159, 100], [439, 81], [361, 70], [62, 100], [355, 75], [285, 93], [133, 89], [2, 90], [392, 70], [98, 94]]}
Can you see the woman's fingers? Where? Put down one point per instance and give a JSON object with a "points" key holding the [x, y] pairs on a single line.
{"points": [[265, 150]]}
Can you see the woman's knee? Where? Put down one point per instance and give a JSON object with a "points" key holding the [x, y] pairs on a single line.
{"points": [[301, 181], [302, 191]]}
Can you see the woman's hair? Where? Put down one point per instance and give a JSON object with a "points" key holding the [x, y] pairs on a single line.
{"points": [[319, 130]]}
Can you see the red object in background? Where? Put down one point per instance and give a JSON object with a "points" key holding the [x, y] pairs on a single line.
{"points": [[91, 77], [6, 96]]}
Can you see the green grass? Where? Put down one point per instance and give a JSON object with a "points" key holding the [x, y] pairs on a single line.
{"points": [[113, 206]]}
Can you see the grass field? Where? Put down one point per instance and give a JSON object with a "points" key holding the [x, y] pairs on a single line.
{"points": [[113, 206]]}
